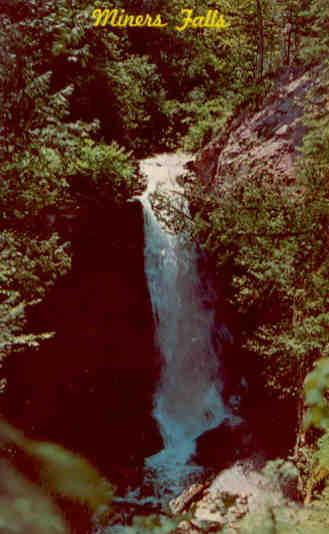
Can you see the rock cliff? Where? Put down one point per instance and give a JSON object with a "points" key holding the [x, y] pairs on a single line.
{"points": [[268, 137]]}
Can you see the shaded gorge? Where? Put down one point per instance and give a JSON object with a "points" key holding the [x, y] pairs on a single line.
{"points": [[91, 387], [144, 376]]}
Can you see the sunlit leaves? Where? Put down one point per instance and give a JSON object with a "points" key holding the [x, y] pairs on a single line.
{"points": [[316, 386], [68, 475], [25, 508], [109, 168], [60, 471], [28, 268]]}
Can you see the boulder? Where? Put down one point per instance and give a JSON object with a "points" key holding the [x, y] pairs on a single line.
{"points": [[186, 498]]}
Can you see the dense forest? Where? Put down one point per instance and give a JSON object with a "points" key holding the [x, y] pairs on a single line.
{"points": [[80, 105]]}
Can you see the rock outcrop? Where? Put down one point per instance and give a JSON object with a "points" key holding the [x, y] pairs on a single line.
{"points": [[236, 492], [269, 137]]}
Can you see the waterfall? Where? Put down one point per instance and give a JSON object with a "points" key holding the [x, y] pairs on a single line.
{"points": [[188, 399]]}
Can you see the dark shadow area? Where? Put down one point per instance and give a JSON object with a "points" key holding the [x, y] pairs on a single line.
{"points": [[268, 424], [91, 387]]}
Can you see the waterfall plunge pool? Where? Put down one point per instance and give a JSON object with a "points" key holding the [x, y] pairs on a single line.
{"points": [[188, 400]]}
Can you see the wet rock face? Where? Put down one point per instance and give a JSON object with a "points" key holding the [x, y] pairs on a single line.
{"points": [[91, 387]]}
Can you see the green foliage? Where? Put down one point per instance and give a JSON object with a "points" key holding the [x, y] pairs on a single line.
{"points": [[126, 78], [60, 472], [271, 241], [314, 35], [319, 470], [284, 519], [316, 172], [136, 106], [28, 268], [258, 232], [316, 386], [110, 169], [25, 508], [29, 506], [48, 155], [283, 476], [204, 120]]}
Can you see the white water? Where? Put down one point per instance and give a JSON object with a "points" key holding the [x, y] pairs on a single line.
{"points": [[188, 400]]}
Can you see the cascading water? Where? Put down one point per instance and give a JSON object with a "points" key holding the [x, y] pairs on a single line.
{"points": [[188, 400]]}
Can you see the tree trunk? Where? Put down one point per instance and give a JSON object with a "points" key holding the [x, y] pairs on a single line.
{"points": [[261, 41]]}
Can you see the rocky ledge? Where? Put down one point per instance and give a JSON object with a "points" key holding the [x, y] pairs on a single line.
{"points": [[244, 488]]}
